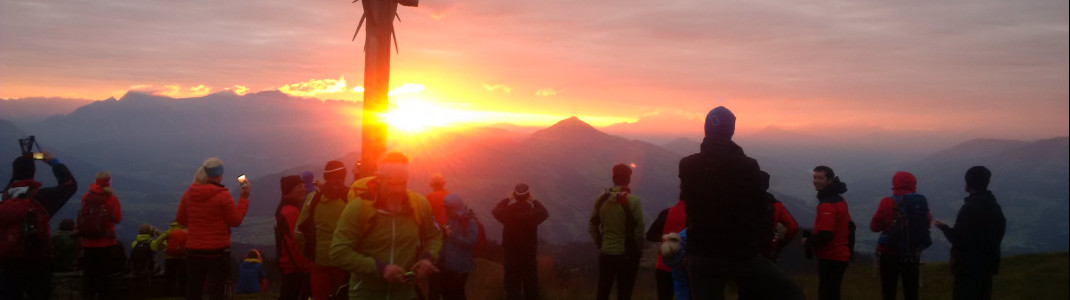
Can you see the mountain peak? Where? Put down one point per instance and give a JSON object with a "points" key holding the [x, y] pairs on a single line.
{"points": [[570, 129]]}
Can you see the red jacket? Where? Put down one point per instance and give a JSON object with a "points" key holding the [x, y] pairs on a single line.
{"points": [[116, 216], [208, 212], [675, 221], [783, 217], [291, 259], [833, 217], [902, 183], [435, 198]]}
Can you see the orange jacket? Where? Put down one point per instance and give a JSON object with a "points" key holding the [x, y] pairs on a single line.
{"points": [[116, 216], [435, 198], [208, 212]]}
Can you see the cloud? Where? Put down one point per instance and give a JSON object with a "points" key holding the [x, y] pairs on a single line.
{"points": [[238, 89], [172, 90], [358, 89], [546, 92], [497, 87], [314, 87], [408, 88]]}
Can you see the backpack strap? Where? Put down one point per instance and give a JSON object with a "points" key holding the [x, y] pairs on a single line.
{"points": [[596, 217], [309, 225]]}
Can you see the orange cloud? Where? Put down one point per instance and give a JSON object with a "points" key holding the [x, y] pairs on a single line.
{"points": [[495, 87], [315, 86], [546, 92]]}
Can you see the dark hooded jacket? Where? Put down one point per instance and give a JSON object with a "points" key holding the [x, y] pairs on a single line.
{"points": [[724, 191], [977, 235]]}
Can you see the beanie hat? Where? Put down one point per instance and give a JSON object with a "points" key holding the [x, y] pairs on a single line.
{"points": [[22, 168], [216, 171], [720, 123], [309, 180], [521, 191], [453, 202], [904, 183], [288, 183], [334, 171], [977, 178], [622, 175]]}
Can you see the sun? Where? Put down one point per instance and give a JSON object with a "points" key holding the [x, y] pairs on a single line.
{"points": [[413, 116]]}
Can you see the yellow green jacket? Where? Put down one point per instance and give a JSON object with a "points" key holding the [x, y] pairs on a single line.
{"points": [[612, 231], [367, 239], [327, 213]]}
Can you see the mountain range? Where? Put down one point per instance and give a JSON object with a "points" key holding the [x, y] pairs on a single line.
{"points": [[152, 145]]}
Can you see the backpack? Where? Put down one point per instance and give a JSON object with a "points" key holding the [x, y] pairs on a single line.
{"points": [[176, 243], [94, 217], [631, 248], [481, 235], [141, 255], [909, 233], [24, 230]]}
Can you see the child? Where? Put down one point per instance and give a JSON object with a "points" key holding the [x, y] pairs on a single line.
{"points": [[673, 252], [251, 273]]}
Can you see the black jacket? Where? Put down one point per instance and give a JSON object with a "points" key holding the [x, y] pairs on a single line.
{"points": [[53, 198], [977, 235], [520, 222], [725, 195]]}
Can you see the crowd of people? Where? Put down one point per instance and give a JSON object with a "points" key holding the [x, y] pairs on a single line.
{"points": [[377, 239]]}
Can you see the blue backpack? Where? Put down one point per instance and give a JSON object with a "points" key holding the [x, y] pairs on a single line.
{"points": [[909, 233]]}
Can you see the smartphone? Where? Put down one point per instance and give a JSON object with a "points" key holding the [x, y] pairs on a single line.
{"points": [[242, 180], [409, 275], [39, 155]]}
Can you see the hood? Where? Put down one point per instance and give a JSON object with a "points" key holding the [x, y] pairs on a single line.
{"points": [[334, 190], [904, 183], [983, 197], [175, 225], [204, 192], [831, 193], [96, 189], [454, 204], [720, 147], [143, 237]]}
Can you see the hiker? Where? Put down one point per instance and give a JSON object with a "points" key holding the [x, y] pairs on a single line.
{"points": [[670, 220], [727, 218], [66, 247], [783, 217], [96, 226], [435, 198], [520, 216], [460, 235], [976, 238], [142, 256], [173, 243], [315, 230], [386, 236], [207, 209], [251, 276], [673, 250], [830, 241], [25, 210], [903, 221], [292, 263], [616, 226], [309, 183]]}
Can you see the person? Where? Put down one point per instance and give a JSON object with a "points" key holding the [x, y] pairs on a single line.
{"points": [[292, 263], [727, 218], [142, 256], [520, 216], [435, 198], [976, 238], [783, 217], [207, 209], [67, 247], [26, 259], [460, 234], [386, 236], [315, 230], [96, 226], [830, 242], [616, 226], [670, 220], [251, 274], [673, 251], [891, 219], [173, 243]]}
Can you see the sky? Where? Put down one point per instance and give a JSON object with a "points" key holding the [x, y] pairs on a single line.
{"points": [[992, 68]]}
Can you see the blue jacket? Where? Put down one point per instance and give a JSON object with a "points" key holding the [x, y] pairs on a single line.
{"points": [[457, 247], [249, 274]]}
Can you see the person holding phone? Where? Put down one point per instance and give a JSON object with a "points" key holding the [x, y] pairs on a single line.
{"points": [[208, 211]]}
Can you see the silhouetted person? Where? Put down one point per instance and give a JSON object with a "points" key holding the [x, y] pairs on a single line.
{"points": [[520, 216], [461, 233], [207, 209], [976, 238], [616, 226], [292, 263], [899, 256], [25, 210], [670, 220], [173, 243], [315, 230], [66, 246], [831, 233], [728, 220], [435, 198], [96, 226]]}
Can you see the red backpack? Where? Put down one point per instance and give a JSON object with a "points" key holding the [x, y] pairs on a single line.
{"points": [[176, 243], [481, 236], [94, 218], [24, 230]]}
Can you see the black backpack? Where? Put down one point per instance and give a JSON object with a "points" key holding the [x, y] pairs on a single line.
{"points": [[141, 256], [909, 233]]}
